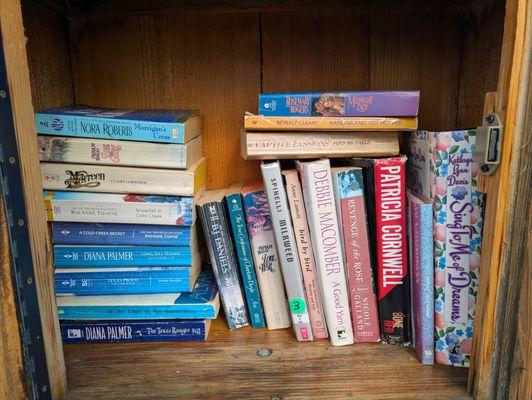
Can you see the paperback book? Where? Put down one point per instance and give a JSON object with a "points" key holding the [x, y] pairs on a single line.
{"points": [[202, 303], [119, 208], [286, 248], [175, 330], [235, 208], [123, 234], [130, 280], [306, 254], [289, 145], [338, 104], [117, 179], [265, 256], [359, 266], [160, 126], [124, 153], [372, 124], [384, 184], [212, 213], [321, 210], [442, 169]]}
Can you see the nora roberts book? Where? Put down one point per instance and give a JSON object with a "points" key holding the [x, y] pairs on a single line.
{"points": [[115, 179]]}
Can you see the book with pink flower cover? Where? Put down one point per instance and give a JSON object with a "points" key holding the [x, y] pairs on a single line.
{"points": [[306, 255], [442, 169]]}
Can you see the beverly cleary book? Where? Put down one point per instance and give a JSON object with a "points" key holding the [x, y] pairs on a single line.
{"points": [[442, 169], [384, 185], [338, 104], [421, 256], [173, 330], [235, 209], [265, 256], [359, 266], [306, 254], [286, 249], [124, 153], [203, 302], [160, 126], [318, 195], [211, 209], [119, 208]]}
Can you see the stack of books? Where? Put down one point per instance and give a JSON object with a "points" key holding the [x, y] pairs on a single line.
{"points": [[120, 191]]}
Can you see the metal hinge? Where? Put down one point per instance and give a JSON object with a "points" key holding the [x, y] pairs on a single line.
{"points": [[488, 143]]}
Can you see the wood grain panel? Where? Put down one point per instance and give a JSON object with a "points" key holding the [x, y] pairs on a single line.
{"points": [[419, 49], [48, 56], [14, 43], [12, 375], [227, 367], [203, 62], [315, 50]]}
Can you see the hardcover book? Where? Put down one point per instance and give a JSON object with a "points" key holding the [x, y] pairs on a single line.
{"points": [[235, 207], [372, 124], [130, 280], [212, 213], [422, 273], [338, 104], [113, 179], [306, 255], [265, 256], [175, 330], [203, 303], [359, 266], [119, 208], [123, 234], [321, 210], [281, 145], [123, 256], [160, 126], [286, 250], [384, 185], [124, 153], [442, 169]]}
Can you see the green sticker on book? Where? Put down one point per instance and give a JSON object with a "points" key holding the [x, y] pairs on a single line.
{"points": [[298, 306]]}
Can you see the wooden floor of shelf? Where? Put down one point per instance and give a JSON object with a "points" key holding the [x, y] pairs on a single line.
{"points": [[227, 366]]}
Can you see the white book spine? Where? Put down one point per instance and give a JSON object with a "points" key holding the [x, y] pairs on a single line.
{"points": [[286, 247], [321, 210], [116, 179]]}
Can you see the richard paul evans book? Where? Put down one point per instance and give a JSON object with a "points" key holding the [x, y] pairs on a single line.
{"points": [[160, 126], [211, 209], [337, 104]]}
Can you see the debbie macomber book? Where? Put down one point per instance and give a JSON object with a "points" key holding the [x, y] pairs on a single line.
{"points": [[211, 210], [321, 210], [235, 208], [442, 169], [174, 330], [119, 208], [286, 249], [110, 152], [113, 179], [337, 104], [159, 126]]}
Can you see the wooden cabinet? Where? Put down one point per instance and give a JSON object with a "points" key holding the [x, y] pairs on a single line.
{"points": [[217, 56]]}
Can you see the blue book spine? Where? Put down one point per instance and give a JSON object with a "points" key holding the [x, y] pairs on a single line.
{"points": [[426, 352], [123, 256], [123, 281], [109, 128], [245, 260], [120, 234], [134, 331], [192, 311]]}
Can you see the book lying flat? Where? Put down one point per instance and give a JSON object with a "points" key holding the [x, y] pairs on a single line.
{"points": [[272, 145]]}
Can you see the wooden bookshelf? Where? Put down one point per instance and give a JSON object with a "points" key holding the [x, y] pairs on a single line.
{"points": [[228, 366]]}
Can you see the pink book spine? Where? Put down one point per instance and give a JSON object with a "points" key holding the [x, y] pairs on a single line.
{"points": [[306, 256], [362, 296]]}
